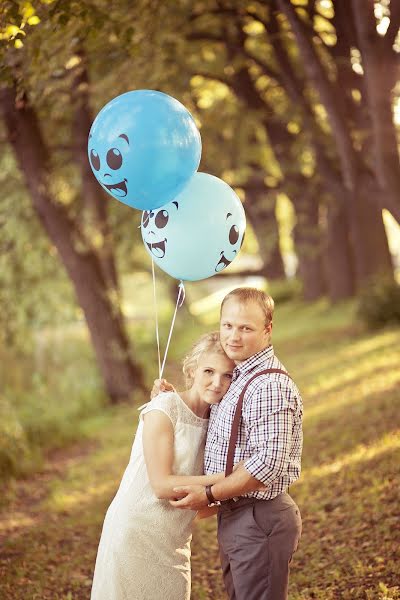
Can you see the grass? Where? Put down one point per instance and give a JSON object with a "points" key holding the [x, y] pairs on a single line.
{"points": [[348, 493]]}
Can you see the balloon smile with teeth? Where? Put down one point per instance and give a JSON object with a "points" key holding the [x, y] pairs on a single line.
{"points": [[157, 248], [119, 189], [223, 262]]}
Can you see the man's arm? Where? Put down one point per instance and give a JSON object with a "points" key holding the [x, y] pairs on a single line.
{"points": [[270, 424], [240, 482]]}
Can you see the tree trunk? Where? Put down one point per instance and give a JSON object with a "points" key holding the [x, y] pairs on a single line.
{"points": [[368, 236], [93, 199], [380, 64], [260, 209], [307, 239], [338, 259], [121, 375]]}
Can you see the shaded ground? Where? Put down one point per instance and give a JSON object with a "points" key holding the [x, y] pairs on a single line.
{"points": [[348, 494]]}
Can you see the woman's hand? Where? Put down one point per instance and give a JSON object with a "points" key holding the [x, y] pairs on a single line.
{"points": [[161, 385]]}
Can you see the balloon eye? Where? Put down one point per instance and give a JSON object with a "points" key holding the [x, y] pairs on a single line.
{"points": [[114, 158], [95, 160], [145, 218], [233, 234], [162, 219]]}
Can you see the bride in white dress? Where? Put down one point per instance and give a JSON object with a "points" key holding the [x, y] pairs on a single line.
{"points": [[144, 550]]}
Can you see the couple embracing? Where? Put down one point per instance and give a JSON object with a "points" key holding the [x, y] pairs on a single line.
{"points": [[232, 441]]}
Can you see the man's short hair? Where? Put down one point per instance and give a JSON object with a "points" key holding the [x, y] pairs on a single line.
{"points": [[247, 294]]}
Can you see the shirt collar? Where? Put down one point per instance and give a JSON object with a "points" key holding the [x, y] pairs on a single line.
{"points": [[254, 361]]}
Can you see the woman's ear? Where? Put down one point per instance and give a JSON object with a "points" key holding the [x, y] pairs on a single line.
{"points": [[191, 373]]}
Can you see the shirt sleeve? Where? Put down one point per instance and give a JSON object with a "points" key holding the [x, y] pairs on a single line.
{"points": [[269, 415]]}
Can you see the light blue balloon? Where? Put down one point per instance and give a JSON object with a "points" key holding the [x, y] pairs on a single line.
{"points": [[143, 148], [199, 233]]}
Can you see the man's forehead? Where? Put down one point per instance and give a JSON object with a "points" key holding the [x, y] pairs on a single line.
{"points": [[243, 310]]}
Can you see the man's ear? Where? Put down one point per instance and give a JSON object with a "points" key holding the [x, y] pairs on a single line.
{"points": [[268, 328]]}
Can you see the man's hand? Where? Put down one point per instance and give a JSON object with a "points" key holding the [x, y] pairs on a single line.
{"points": [[193, 497], [161, 385]]}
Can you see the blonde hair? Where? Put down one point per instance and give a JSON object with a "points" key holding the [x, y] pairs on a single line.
{"points": [[209, 342], [248, 294]]}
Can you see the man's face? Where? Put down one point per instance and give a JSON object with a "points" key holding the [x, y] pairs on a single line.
{"points": [[243, 329]]}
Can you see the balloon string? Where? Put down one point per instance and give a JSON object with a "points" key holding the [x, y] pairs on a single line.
{"points": [[156, 311], [179, 301]]}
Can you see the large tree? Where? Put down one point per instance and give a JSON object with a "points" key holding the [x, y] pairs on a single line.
{"points": [[41, 115], [300, 66]]}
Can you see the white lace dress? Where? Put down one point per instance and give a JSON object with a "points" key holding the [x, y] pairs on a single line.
{"points": [[144, 550]]}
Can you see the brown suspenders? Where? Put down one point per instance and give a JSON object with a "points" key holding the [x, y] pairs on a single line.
{"points": [[236, 419]]}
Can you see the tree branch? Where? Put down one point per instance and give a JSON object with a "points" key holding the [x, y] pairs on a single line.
{"points": [[328, 92], [379, 79], [266, 69], [394, 25], [201, 36]]}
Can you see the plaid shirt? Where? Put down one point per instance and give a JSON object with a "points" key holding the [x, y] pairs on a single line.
{"points": [[270, 434]]}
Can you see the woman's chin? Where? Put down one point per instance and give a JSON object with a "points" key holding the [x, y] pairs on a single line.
{"points": [[212, 401]]}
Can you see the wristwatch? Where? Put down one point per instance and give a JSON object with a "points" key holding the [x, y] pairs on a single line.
{"points": [[211, 500]]}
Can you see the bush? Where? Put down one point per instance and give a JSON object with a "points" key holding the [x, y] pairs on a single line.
{"points": [[41, 411], [379, 302], [285, 290], [15, 453]]}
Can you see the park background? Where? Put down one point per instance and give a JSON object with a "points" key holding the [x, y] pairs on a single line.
{"points": [[298, 105]]}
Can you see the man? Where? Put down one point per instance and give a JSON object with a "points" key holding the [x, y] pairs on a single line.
{"points": [[258, 531]]}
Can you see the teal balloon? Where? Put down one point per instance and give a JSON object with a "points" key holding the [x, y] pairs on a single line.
{"points": [[143, 148], [199, 233]]}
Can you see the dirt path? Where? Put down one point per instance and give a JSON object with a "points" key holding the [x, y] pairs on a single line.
{"points": [[48, 537], [36, 539]]}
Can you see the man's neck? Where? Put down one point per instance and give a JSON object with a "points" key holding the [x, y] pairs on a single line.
{"points": [[240, 362]]}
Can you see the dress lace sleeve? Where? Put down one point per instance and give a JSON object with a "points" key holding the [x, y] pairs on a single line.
{"points": [[165, 402]]}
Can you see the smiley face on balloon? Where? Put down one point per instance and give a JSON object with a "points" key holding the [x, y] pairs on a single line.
{"points": [[110, 167], [200, 233], [155, 223], [143, 148], [231, 249]]}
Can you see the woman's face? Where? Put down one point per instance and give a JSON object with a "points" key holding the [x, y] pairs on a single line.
{"points": [[212, 377]]}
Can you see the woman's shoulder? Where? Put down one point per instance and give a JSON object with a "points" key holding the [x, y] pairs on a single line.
{"points": [[166, 402]]}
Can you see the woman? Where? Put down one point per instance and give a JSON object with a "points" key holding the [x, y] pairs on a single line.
{"points": [[144, 551]]}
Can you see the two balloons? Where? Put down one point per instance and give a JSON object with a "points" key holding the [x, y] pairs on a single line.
{"points": [[144, 149]]}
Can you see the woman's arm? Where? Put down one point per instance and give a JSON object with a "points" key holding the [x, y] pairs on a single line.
{"points": [[158, 448]]}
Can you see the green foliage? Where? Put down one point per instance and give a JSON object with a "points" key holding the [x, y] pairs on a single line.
{"points": [[34, 289], [47, 398], [52, 387], [379, 302], [15, 453], [16, 17]]}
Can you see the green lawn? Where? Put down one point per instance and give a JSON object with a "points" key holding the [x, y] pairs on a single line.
{"points": [[348, 493]]}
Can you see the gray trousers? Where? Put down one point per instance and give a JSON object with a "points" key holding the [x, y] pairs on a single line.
{"points": [[257, 539]]}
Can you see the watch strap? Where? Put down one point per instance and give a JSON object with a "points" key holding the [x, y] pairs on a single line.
{"points": [[210, 496]]}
